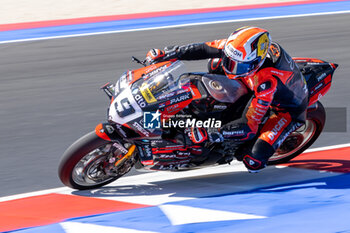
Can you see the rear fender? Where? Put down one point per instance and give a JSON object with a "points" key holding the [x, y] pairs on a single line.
{"points": [[318, 75]]}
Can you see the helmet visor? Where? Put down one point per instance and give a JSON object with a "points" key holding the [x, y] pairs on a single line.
{"points": [[238, 68]]}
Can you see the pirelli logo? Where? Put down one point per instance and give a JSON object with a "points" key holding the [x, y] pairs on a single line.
{"points": [[147, 94]]}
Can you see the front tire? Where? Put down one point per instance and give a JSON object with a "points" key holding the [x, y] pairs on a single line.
{"points": [[302, 138], [81, 164]]}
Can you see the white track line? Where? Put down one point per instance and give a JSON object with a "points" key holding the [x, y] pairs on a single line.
{"points": [[32, 194], [174, 26], [328, 148]]}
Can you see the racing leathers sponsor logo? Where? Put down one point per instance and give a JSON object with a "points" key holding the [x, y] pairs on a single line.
{"points": [[147, 94], [292, 129], [140, 129], [264, 103], [233, 133], [278, 73], [266, 92], [276, 130], [264, 86]]}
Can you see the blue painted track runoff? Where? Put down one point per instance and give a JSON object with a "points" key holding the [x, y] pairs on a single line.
{"points": [[299, 207], [168, 21]]}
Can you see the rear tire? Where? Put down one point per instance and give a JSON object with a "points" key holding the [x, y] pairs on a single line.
{"points": [[74, 154], [316, 116]]}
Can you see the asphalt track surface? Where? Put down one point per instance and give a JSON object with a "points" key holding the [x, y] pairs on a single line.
{"points": [[50, 93]]}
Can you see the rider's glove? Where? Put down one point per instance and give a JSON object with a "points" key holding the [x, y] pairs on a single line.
{"points": [[154, 55], [200, 135]]}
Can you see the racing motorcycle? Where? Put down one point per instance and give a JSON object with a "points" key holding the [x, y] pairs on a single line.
{"points": [[152, 108]]}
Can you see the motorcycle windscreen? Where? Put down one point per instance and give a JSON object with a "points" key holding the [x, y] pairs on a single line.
{"points": [[162, 84]]}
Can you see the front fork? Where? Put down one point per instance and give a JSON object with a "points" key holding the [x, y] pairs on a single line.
{"points": [[107, 132]]}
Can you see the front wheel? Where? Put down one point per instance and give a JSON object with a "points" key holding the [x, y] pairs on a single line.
{"points": [[301, 139], [89, 163]]}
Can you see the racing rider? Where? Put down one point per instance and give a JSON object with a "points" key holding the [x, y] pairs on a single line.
{"points": [[265, 68]]}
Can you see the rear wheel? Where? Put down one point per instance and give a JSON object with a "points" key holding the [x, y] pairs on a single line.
{"points": [[302, 138], [89, 163]]}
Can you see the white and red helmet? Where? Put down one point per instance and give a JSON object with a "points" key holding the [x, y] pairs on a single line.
{"points": [[245, 51]]}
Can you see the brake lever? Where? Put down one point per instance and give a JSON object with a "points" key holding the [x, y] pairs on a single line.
{"points": [[134, 59]]}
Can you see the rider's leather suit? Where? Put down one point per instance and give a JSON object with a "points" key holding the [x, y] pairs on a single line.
{"points": [[277, 85]]}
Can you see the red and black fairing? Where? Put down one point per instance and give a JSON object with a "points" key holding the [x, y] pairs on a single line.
{"points": [[155, 148], [149, 91], [211, 98], [167, 154], [318, 75]]}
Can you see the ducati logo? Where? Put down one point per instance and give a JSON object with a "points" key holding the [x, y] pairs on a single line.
{"points": [[280, 124]]}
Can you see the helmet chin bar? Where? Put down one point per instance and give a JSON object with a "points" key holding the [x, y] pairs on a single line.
{"points": [[244, 74], [236, 66]]}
